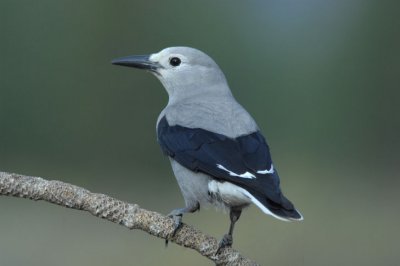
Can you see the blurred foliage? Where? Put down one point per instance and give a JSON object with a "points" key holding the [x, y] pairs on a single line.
{"points": [[320, 77]]}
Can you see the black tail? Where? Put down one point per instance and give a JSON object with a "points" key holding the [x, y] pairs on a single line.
{"points": [[282, 210]]}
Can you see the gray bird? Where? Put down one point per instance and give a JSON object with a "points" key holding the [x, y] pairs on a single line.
{"points": [[217, 152]]}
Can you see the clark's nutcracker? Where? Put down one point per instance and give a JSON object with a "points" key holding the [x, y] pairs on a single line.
{"points": [[216, 149]]}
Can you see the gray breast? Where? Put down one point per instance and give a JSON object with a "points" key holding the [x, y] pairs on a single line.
{"points": [[224, 117]]}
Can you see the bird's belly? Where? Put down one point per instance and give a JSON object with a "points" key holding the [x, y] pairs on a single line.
{"points": [[197, 187], [193, 185], [228, 194]]}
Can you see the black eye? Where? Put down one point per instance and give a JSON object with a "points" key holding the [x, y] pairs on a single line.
{"points": [[174, 61]]}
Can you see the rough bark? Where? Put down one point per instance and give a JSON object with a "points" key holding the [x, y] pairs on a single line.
{"points": [[117, 211]]}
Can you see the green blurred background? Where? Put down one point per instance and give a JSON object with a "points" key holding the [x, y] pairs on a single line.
{"points": [[320, 77]]}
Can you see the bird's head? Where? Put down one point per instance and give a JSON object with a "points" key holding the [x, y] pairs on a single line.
{"points": [[184, 71]]}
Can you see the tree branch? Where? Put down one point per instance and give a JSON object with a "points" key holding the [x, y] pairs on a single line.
{"points": [[117, 211]]}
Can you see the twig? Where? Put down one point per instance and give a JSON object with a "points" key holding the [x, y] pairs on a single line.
{"points": [[117, 211]]}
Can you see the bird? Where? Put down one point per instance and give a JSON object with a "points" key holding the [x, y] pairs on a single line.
{"points": [[217, 151]]}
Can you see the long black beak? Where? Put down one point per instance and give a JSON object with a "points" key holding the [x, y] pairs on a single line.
{"points": [[137, 61]]}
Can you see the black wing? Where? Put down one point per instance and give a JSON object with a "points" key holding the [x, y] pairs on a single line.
{"points": [[225, 159]]}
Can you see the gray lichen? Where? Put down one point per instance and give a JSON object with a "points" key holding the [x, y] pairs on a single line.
{"points": [[117, 211]]}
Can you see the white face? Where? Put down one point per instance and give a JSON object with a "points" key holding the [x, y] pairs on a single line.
{"points": [[170, 63], [185, 72], [176, 60], [181, 69]]}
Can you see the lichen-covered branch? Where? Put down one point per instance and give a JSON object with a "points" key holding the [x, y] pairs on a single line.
{"points": [[117, 211]]}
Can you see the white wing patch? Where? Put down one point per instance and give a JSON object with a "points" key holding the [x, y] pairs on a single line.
{"points": [[266, 171], [248, 174], [244, 175]]}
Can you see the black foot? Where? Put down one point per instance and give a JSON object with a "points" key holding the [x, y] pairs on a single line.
{"points": [[226, 241], [176, 215]]}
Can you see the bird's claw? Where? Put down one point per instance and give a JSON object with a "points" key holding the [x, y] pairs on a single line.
{"points": [[177, 223], [226, 241], [177, 217]]}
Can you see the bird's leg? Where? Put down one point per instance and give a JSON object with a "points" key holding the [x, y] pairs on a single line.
{"points": [[177, 214], [227, 239]]}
